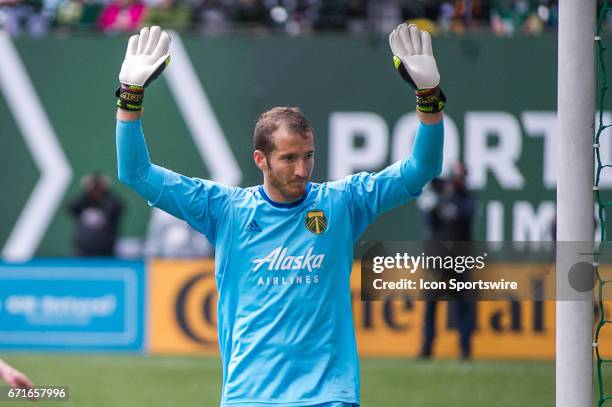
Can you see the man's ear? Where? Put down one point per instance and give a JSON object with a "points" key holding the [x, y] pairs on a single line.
{"points": [[260, 160]]}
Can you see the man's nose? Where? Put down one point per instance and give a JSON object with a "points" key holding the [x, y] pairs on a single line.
{"points": [[301, 169]]}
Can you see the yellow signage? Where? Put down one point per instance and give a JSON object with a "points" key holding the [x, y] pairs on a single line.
{"points": [[183, 319], [182, 307]]}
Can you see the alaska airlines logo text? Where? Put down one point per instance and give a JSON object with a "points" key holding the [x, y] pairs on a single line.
{"points": [[278, 260]]}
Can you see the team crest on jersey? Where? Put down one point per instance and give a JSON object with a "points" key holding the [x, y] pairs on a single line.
{"points": [[316, 221]]}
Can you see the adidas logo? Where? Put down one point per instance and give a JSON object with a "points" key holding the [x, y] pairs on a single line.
{"points": [[252, 227]]}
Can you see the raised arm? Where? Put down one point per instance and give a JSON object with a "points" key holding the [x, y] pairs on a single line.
{"points": [[414, 60], [134, 167], [201, 203], [372, 194], [146, 57], [425, 160]]}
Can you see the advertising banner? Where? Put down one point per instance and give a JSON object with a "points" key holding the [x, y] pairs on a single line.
{"points": [[182, 320], [72, 305], [182, 307]]}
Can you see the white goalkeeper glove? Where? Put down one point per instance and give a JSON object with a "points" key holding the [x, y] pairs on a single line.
{"points": [[414, 60], [145, 59]]}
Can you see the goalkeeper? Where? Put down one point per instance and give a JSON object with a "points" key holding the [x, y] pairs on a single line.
{"points": [[284, 249]]}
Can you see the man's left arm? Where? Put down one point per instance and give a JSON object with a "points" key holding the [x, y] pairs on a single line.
{"points": [[414, 60], [425, 161], [373, 194]]}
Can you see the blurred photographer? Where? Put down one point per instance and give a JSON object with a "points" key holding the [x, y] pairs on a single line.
{"points": [[97, 212], [449, 209]]}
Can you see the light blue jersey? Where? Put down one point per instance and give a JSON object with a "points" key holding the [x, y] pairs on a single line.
{"points": [[282, 270]]}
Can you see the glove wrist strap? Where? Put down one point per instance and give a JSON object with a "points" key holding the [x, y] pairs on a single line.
{"points": [[130, 97], [430, 100]]}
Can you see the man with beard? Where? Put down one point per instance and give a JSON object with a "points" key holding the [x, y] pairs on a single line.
{"points": [[284, 249]]}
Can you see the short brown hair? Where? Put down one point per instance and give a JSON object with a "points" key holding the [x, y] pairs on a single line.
{"points": [[270, 121]]}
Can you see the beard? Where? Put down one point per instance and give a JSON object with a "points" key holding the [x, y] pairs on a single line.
{"points": [[291, 191]]}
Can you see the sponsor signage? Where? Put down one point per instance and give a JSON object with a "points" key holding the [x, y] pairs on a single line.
{"points": [[182, 307], [72, 305], [182, 320]]}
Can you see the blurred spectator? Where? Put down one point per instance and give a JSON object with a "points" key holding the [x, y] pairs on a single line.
{"points": [[422, 10], [529, 16], [170, 14], [289, 16], [77, 14], [383, 15], [338, 14], [251, 12], [502, 17], [455, 16], [548, 12], [122, 16], [31, 16], [449, 209], [97, 211], [211, 16]]}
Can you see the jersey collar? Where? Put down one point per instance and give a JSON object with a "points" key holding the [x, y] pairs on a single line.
{"points": [[283, 204]]}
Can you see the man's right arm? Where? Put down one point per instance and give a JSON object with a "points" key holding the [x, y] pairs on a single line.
{"points": [[134, 167], [146, 57], [127, 116], [201, 203]]}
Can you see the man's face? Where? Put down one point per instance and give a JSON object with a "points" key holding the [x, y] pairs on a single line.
{"points": [[459, 175], [289, 166], [96, 188]]}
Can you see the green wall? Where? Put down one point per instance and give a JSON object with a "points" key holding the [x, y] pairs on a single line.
{"points": [[75, 79]]}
